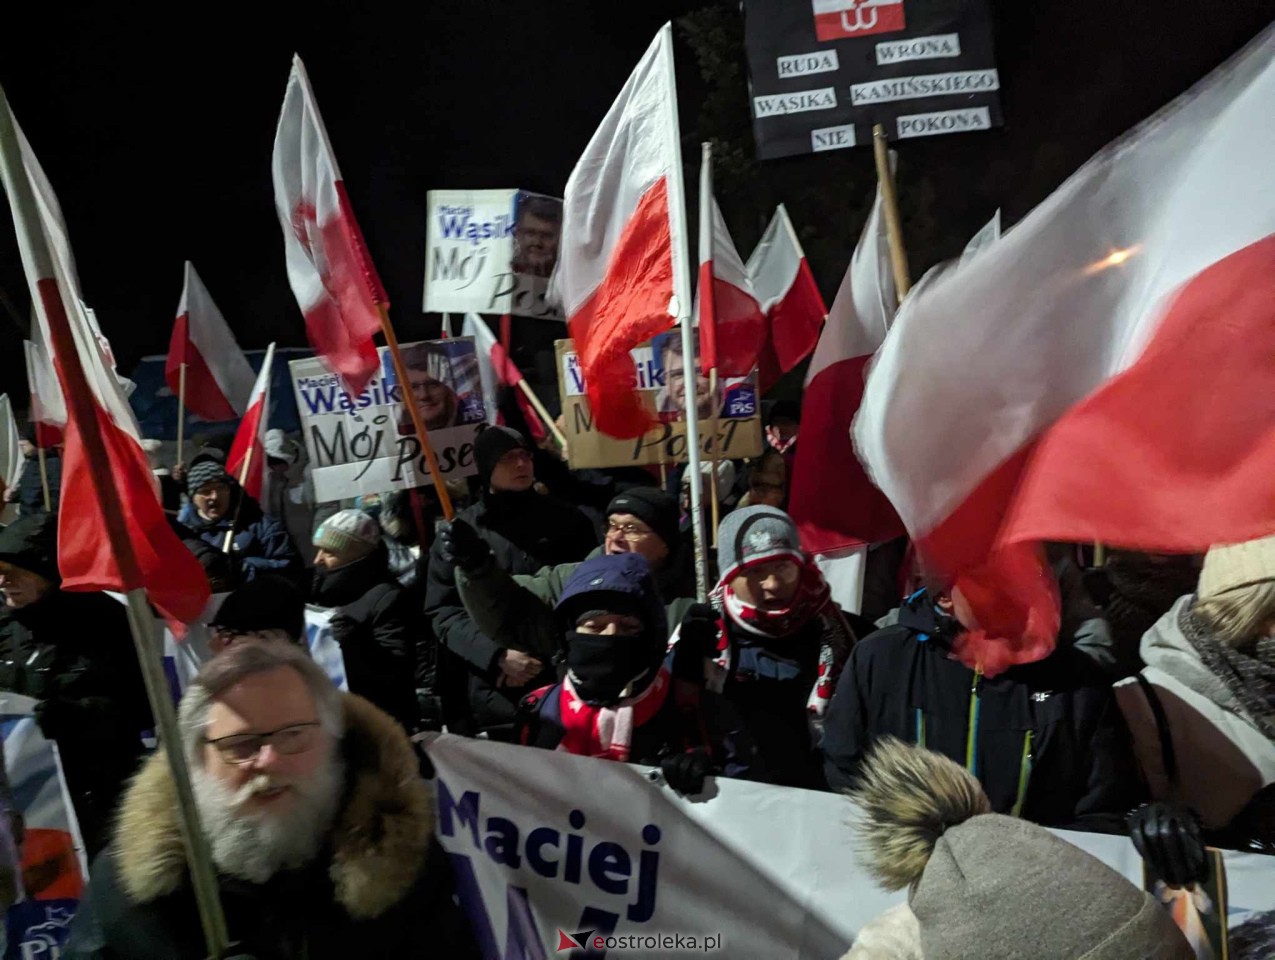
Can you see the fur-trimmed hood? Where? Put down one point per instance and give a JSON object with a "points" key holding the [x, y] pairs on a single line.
{"points": [[378, 845]]}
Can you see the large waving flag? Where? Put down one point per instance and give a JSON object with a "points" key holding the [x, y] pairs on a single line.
{"points": [[218, 378], [48, 409], [331, 273], [833, 502], [246, 461], [789, 297], [109, 498], [622, 275], [731, 324], [1102, 372]]}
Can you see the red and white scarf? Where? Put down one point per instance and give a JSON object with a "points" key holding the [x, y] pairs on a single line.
{"points": [[607, 732]]}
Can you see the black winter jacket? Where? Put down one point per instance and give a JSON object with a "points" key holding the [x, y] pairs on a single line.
{"points": [[376, 625], [76, 649], [526, 531], [1048, 740], [769, 684]]}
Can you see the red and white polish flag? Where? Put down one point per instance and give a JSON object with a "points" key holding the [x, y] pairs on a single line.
{"points": [[495, 370], [48, 409], [1102, 373], [622, 275], [833, 503], [218, 377], [246, 461], [11, 459], [732, 327], [102, 460], [789, 297], [329, 269]]}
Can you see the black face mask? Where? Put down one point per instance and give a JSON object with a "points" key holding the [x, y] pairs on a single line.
{"points": [[603, 666], [335, 588]]}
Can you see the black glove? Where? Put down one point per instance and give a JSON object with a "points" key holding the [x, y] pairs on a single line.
{"points": [[430, 710], [459, 543], [685, 772], [696, 640], [60, 718], [1167, 836]]}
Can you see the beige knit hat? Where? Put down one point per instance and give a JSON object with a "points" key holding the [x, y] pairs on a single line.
{"points": [[995, 887], [350, 534], [1231, 566]]}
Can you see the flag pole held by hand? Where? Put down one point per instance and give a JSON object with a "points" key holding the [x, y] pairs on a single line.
{"points": [[422, 435]]}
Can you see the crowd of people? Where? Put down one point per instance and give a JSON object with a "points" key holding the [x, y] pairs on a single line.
{"points": [[558, 610]]}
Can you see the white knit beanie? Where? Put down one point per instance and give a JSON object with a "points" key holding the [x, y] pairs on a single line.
{"points": [[350, 534], [1231, 566]]}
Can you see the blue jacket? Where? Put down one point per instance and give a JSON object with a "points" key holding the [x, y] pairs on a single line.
{"points": [[261, 543]]}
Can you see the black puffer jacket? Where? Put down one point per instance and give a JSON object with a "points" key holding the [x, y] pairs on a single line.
{"points": [[1048, 741], [526, 531], [376, 625]]}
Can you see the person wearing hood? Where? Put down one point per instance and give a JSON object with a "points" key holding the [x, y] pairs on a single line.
{"points": [[74, 653], [781, 641], [373, 620], [523, 531], [220, 510], [620, 699], [1202, 715], [288, 493], [641, 520], [980, 884], [1044, 739]]}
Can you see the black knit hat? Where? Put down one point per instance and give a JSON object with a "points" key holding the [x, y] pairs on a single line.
{"points": [[264, 603], [655, 507], [31, 542], [492, 444], [204, 470]]}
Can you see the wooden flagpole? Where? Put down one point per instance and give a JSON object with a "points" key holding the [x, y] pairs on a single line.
{"points": [[181, 412], [893, 224], [422, 435], [44, 477]]}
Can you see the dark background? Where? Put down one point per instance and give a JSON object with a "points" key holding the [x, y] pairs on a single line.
{"points": [[156, 132]]}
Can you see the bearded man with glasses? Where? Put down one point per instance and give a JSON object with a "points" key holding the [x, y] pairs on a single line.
{"points": [[319, 826]]}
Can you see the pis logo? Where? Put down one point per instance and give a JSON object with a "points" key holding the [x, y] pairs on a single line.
{"points": [[574, 941]]}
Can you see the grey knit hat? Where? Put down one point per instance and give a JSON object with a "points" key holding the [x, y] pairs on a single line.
{"points": [[350, 534], [995, 887], [205, 470], [753, 535]]}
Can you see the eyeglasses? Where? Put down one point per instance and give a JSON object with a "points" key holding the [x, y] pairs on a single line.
{"points": [[244, 747], [627, 531]]}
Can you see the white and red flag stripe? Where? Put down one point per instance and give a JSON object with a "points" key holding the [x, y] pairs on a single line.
{"points": [[789, 297], [622, 274], [48, 409], [218, 377], [833, 503], [246, 461], [495, 370], [732, 327], [11, 459], [1102, 373], [112, 531], [331, 273]]}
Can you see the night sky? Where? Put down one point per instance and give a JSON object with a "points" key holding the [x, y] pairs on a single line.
{"points": [[156, 131]]}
